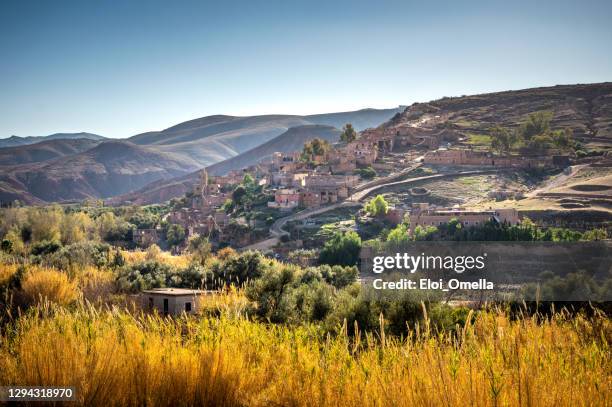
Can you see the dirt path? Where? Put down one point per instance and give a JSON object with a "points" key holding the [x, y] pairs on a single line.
{"points": [[556, 181]]}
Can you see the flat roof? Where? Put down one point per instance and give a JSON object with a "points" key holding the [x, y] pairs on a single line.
{"points": [[175, 291]]}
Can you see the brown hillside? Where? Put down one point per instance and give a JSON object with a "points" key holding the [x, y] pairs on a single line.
{"points": [[113, 167]]}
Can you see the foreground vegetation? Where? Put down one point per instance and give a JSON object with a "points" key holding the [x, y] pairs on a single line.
{"points": [[118, 358], [276, 333]]}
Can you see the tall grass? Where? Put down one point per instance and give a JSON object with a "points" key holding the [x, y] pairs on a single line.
{"points": [[115, 358], [41, 284]]}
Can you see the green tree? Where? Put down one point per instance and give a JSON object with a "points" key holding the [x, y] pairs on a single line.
{"points": [[377, 207], [200, 248], [239, 194], [563, 139], [348, 133], [537, 123], [366, 173], [175, 235], [425, 233], [398, 236], [502, 139], [341, 249], [313, 148]]}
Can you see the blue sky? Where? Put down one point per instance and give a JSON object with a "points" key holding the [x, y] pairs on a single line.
{"points": [[118, 68]]}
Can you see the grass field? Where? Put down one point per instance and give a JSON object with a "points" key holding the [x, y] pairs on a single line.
{"points": [[116, 358]]}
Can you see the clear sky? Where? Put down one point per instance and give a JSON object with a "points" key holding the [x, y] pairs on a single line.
{"points": [[118, 68]]}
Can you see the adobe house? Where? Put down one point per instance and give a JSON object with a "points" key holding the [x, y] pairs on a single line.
{"points": [[468, 157], [423, 215], [285, 199], [171, 301]]}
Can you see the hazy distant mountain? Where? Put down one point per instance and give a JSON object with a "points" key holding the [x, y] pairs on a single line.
{"points": [[360, 119], [209, 140], [110, 168], [45, 150], [291, 140], [15, 141]]}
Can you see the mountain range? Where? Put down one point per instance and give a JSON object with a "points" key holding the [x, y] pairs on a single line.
{"points": [[67, 167], [15, 141]]}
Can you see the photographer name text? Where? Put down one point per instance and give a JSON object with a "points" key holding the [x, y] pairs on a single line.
{"points": [[429, 284]]}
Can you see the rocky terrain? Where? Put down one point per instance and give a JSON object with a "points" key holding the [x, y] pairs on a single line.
{"points": [[586, 109]]}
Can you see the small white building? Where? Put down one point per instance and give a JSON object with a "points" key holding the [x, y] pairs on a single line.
{"points": [[172, 301]]}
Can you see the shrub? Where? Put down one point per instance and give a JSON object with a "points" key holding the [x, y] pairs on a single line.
{"points": [[144, 276], [239, 269], [366, 173], [175, 235], [339, 276], [341, 249], [45, 247], [80, 255], [271, 293]]}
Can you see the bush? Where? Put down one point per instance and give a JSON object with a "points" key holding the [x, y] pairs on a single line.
{"points": [[144, 276], [341, 249], [238, 269], [175, 235], [154, 274], [45, 247], [366, 173], [339, 276], [80, 255], [271, 293]]}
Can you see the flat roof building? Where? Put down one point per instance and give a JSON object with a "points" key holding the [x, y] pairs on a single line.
{"points": [[172, 301]]}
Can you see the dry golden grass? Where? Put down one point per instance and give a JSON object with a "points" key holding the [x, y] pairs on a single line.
{"points": [[6, 272], [230, 302], [118, 359], [96, 284], [136, 256], [40, 284]]}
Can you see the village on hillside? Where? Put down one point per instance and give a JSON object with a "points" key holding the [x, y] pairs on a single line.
{"points": [[251, 207]]}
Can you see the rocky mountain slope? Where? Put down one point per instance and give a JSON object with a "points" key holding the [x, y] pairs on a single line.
{"points": [[35, 173], [110, 168], [586, 109]]}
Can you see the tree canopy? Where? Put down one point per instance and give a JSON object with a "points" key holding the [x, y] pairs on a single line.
{"points": [[341, 249], [348, 133], [377, 207]]}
